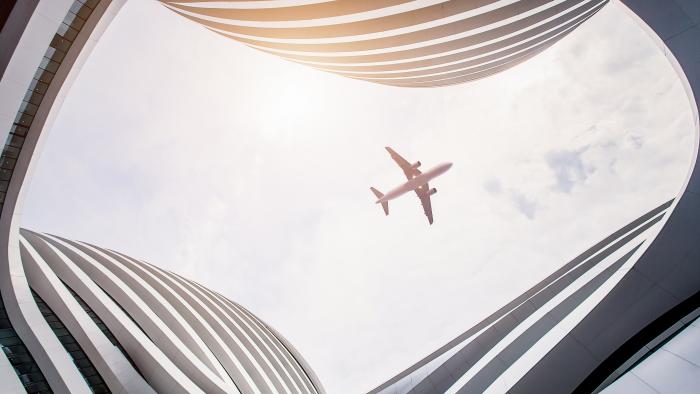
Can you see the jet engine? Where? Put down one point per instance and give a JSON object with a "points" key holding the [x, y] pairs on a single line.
{"points": [[432, 191], [415, 165]]}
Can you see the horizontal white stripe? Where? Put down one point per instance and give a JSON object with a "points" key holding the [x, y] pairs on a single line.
{"points": [[484, 72], [382, 34], [262, 4], [427, 57], [533, 43], [422, 44], [335, 20]]}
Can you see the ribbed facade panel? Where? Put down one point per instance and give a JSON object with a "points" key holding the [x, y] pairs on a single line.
{"points": [[478, 358], [397, 43], [19, 372], [110, 362], [180, 336]]}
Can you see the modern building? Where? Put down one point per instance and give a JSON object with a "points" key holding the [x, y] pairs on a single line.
{"points": [[120, 324], [501, 352], [76, 317], [398, 42]]}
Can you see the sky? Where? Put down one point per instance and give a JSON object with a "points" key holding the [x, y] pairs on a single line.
{"points": [[251, 175]]}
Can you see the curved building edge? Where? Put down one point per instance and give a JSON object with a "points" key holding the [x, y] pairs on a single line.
{"points": [[398, 43], [664, 284], [656, 295], [128, 326]]}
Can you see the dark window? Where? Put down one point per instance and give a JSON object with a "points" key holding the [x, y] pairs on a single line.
{"points": [[103, 327], [90, 374], [73, 22], [21, 360], [5, 10]]}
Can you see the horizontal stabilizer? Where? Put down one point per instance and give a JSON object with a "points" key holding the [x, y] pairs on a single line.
{"points": [[385, 204]]}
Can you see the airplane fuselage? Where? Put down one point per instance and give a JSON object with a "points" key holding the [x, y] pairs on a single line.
{"points": [[416, 182]]}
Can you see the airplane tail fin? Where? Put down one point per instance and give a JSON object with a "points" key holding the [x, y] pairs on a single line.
{"points": [[385, 204]]}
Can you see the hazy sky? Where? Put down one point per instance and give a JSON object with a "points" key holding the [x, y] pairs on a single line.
{"points": [[251, 175]]}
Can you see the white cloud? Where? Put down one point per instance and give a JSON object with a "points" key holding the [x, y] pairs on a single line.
{"points": [[493, 186], [524, 205], [568, 167]]}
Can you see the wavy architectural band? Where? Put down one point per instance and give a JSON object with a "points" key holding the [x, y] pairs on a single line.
{"points": [[166, 333], [499, 341], [397, 43]]}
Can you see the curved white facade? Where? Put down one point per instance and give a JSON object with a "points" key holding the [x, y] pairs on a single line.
{"points": [[75, 318], [154, 331], [397, 42]]}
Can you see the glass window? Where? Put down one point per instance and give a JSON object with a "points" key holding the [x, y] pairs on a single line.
{"points": [[80, 359]]}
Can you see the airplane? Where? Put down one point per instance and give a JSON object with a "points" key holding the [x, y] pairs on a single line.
{"points": [[417, 181]]}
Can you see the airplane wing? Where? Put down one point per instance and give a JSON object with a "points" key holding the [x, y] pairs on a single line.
{"points": [[423, 193], [407, 168]]}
